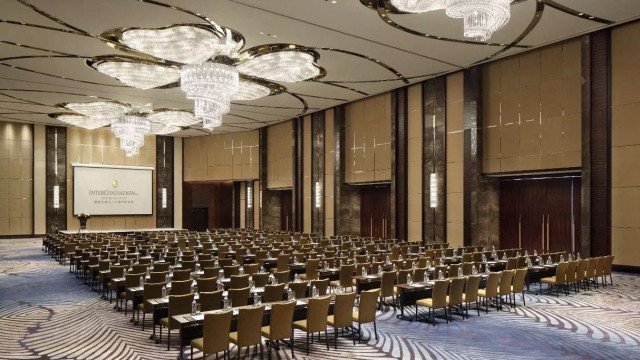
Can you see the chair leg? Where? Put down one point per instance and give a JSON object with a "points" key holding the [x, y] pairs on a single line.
{"points": [[335, 336], [192, 353], [292, 342], [168, 338], [308, 343], [524, 302], [375, 329], [143, 317], [326, 337]]}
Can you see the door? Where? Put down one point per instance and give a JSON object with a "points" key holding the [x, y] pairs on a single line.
{"points": [[199, 219], [374, 211], [286, 210], [540, 214]]}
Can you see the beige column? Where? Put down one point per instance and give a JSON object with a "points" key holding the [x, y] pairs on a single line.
{"points": [[414, 159], [455, 159], [329, 161], [306, 174], [39, 180], [177, 183]]}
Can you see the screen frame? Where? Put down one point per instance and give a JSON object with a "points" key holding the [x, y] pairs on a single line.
{"points": [[125, 167]]}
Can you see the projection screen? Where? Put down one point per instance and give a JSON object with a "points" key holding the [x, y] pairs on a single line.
{"points": [[112, 190]]}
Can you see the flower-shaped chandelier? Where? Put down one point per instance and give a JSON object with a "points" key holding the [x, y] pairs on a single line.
{"points": [[481, 17], [130, 124], [208, 62]]}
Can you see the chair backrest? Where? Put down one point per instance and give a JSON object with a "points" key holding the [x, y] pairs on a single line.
{"points": [[151, 291], [343, 310], [453, 270], [281, 321], [299, 289], [216, 329], [318, 309], [491, 290], [418, 274], [591, 267], [273, 293], [158, 276], [260, 279], [179, 275], [600, 266], [207, 284], [467, 267], [251, 269], [608, 264], [505, 282], [210, 300], [231, 270], [346, 273], [239, 297], [211, 271], [471, 288], [321, 285], [582, 267], [117, 272], [512, 263], [518, 280], [133, 280], [456, 289], [239, 281], [163, 266], [188, 264], [283, 262], [249, 325], [387, 283], [570, 275], [561, 272], [439, 293], [282, 276], [180, 304], [311, 269], [181, 287], [367, 306]]}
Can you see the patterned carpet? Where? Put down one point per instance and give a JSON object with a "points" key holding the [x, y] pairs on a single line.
{"points": [[46, 313]]}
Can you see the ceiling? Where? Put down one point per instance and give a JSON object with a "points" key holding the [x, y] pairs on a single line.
{"points": [[365, 50]]}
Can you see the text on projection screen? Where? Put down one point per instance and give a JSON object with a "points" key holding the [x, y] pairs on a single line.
{"points": [[112, 191]]}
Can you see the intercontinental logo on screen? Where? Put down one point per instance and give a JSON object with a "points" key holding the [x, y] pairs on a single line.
{"points": [[113, 196]]}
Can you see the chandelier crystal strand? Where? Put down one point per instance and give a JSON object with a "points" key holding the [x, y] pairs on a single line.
{"points": [[131, 130], [211, 86], [250, 90], [173, 117], [140, 75], [418, 6], [99, 110], [481, 17], [83, 121], [284, 66]]}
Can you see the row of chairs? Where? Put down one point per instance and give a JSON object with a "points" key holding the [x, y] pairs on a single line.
{"points": [[573, 274]]}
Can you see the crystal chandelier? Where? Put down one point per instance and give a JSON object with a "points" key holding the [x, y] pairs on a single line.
{"points": [[481, 17], [140, 75], [250, 90], [418, 6], [99, 110], [82, 121], [131, 130], [211, 85], [173, 117], [163, 129], [285, 66]]}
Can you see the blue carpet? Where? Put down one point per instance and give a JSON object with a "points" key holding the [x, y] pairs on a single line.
{"points": [[46, 313]]}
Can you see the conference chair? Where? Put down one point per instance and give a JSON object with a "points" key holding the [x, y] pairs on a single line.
{"points": [[280, 324], [251, 269], [321, 284], [239, 297], [590, 273], [158, 276], [504, 289], [260, 279], [570, 276], [282, 276], [178, 305], [491, 289], [299, 289], [249, 329], [558, 279], [580, 272], [311, 270], [366, 312], [210, 300], [230, 270], [239, 281], [181, 287], [131, 280], [345, 280], [207, 284], [316, 321], [215, 334], [600, 270], [455, 297], [151, 291], [342, 315], [608, 265], [471, 293], [273, 293], [517, 287], [181, 275], [438, 300], [387, 287]]}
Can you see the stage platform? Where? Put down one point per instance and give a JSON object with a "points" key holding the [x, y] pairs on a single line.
{"points": [[116, 231]]}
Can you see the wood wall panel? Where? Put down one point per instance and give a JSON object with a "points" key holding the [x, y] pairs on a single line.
{"points": [[625, 148], [397, 226], [222, 157], [455, 159], [415, 154], [39, 179], [280, 155], [307, 181], [329, 175]]}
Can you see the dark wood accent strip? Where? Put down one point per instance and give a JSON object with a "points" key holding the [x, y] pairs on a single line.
{"points": [[268, 200], [434, 225], [399, 140], [600, 143], [317, 171], [585, 170], [164, 179], [298, 174], [56, 158], [346, 197]]}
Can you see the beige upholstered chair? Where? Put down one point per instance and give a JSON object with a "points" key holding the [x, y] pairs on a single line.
{"points": [[438, 300], [491, 289], [345, 280], [299, 289], [239, 297], [280, 324], [273, 293], [559, 279], [342, 314], [211, 300], [239, 281], [207, 284], [517, 287], [316, 321], [321, 285], [181, 287], [249, 328], [311, 271], [471, 293], [178, 304], [456, 294], [151, 291], [215, 334], [387, 287], [366, 312]]}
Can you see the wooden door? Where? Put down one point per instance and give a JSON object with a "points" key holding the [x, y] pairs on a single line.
{"points": [[374, 211], [286, 210]]}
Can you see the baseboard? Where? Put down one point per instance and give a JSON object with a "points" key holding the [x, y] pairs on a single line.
{"points": [[22, 236], [627, 268]]}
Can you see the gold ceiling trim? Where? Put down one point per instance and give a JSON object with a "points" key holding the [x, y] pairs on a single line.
{"points": [[383, 8], [305, 105], [275, 88], [115, 36], [576, 13], [40, 49], [343, 87], [379, 62], [186, 11], [59, 77], [260, 50]]}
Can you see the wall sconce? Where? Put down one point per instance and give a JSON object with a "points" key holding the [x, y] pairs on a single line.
{"points": [[56, 197], [249, 197], [433, 190], [164, 198], [318, 195], [261, 199]]}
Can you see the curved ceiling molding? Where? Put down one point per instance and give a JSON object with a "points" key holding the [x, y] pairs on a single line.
{"points": [[580, 14], [59, 77], [383, 8]]}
